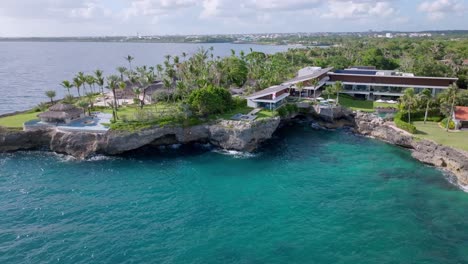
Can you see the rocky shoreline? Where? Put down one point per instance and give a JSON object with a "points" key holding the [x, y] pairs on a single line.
{"points": [[232, 135], [428, 152]]}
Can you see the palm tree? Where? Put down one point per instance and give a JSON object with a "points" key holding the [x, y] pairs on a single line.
{"points": [[82, 79], [67, 85], [121, 70], [408, 100], [145, 82], [426, 95], [100, 83], [130, 59], [77, 84], [315, 83], [51, 94], [450, 97], [83, 104], [122, 85], [167, 57], [299, 88], [98, 73], [112, 84], [159, 69], [90, 80], [90, 100], [337, 88], [99, 79]]}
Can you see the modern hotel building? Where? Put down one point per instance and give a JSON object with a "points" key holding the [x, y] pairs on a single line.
{"points": [[373, 84], [364, 82]]}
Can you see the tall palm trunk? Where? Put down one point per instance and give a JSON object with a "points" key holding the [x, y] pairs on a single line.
{"points": [[427, 110], [409, 114], [115, 103], [451, 114]]}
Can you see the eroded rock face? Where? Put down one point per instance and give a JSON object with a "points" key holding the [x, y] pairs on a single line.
{"points": [[20, 140], [245, 136], [448, 158], [235, 135], [426, 151]]}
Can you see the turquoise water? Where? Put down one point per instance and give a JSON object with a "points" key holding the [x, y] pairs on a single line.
{"points": [[306, 197]]}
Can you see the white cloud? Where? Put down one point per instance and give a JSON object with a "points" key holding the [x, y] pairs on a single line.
{"points": [[282, 5], [155, 7], [359, 9], [439, 9], [124, 17], [210, 8]]}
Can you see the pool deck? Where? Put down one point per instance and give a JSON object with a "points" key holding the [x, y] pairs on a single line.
{"points": [[94, 124]]}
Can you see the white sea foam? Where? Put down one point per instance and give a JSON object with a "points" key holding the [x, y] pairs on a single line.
{"points": [[175, 146], [101, 158], [235, 153]]}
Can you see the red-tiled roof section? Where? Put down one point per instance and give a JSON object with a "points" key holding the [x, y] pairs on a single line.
{"points": [[461, 113]]}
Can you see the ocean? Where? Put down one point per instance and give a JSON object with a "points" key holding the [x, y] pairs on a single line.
{"points": [[28, 69], [306, 196]]}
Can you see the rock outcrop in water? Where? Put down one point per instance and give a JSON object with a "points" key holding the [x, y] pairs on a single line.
{"points": [[232, 135], [428, 152]]}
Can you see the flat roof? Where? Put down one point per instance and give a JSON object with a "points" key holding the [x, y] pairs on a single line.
{"points": [[308, 76], [395, 76], [267, 91]]}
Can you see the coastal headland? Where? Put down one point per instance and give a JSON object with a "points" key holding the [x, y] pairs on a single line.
{"points": [[234, 135]]}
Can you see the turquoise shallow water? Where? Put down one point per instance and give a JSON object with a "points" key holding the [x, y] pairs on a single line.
{"points": [[306, 197]]}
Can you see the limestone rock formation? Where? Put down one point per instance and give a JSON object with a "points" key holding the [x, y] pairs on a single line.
{"points": [[426, 151], [235, 135]]}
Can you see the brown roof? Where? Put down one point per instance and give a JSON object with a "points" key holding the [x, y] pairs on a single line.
{"points": [[62, 107], [61, 111], [461, 113]]}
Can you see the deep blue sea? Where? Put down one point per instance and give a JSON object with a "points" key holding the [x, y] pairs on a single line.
{"points": [[28, 69], [305, 197]]}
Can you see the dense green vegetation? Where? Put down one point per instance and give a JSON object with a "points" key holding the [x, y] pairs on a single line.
{"points": [[196, 88]]}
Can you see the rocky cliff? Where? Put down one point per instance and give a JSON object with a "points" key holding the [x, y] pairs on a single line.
{"points": [[233, 135], [428, 152]]}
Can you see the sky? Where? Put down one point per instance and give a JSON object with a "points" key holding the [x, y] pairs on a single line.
{"points": [[47, 18]]}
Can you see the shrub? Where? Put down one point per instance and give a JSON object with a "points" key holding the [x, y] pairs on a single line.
{"points": [[451, 124], [41, 107], [287, 110], [239, 102], [210, 100], [162, 95], [400, 123], [69, 99], [433, 115]]}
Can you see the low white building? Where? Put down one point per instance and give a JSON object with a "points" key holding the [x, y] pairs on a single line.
{"points": [[270, 98]]}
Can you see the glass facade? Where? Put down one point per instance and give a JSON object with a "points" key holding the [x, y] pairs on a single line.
{"points": [[383, 89], [273, 105]]}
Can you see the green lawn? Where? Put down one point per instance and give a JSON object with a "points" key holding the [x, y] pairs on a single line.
{"points": [[266, 114], [363, 105], [240, 110], [432, 131], [17, 121]]}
